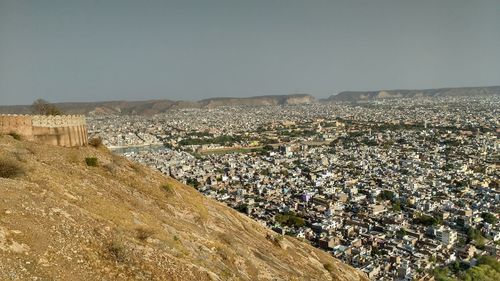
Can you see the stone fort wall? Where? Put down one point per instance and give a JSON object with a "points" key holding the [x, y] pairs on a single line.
{"points": [[62, 130]]}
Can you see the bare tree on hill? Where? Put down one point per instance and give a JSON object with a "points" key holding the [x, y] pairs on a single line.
{"points": [[43, 107]]}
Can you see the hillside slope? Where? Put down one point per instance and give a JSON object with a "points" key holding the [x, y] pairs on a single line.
{"points": [[63, 220]]}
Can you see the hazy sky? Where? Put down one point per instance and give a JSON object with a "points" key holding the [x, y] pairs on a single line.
{"points": [[86, 50]]}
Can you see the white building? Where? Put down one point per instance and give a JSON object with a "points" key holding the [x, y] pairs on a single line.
{"points": [[446, 235]]}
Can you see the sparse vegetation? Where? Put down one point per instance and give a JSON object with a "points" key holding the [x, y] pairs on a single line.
{"points": [[489, 218], [487, 268], [91, 161], [290, 219], [143, 233], [136, 167], [95, 142], [116, 249], [427, 220], [9, 169], [167, 188], [386, 195], [43, 107], [476, 236], [329, 267], [242, 208], [132, 229], [275, 239], [111, 167], [193, 182], [15, 135]]}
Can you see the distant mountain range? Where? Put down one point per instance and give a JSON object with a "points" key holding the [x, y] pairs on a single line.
{"points": [[387, 94], [151, 107]]}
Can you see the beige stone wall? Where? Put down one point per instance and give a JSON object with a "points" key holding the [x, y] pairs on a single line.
{"points": [[19, 124], [63, 130]]}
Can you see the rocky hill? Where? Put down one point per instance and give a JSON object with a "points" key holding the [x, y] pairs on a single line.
{"points": [[259, 101], [86, 214], [443, 92], [151, 107], [148, 107]]}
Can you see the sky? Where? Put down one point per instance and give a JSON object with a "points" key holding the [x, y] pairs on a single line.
{"points": [[94, 50]]}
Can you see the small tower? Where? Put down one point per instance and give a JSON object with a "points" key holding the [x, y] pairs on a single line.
{"points": [[62, 130]]}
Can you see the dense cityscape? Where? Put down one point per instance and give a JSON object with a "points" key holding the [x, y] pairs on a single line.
{"points": [[403, 189]]}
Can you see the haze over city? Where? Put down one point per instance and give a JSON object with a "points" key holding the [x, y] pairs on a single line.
{"points": [[190, 50], [203, 140]]}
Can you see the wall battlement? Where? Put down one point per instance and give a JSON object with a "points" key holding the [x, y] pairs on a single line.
{"points": [[62, 130], [58, 121]]}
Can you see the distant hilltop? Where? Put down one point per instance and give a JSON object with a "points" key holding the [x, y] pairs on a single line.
{"points": [[152, 107], [259, 100], [388, 94]]}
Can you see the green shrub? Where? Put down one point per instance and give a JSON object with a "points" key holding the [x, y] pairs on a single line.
{"points": [[290, 219], [15, 135], [167, 188], [489, 218], [91, 161], [9, 169]]}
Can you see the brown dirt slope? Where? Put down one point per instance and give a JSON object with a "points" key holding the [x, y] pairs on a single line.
{"points": [[63, 220]]}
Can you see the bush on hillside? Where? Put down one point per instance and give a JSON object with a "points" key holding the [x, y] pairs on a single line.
{"points": [[167, 188], [15, 135], [9, 169], [95, 142], [290, 219], [143, 233], [91, 161], [116, 250], [328, 266]]}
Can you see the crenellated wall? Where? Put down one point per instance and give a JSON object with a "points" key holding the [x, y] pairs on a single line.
{"points": [[62, 130]]}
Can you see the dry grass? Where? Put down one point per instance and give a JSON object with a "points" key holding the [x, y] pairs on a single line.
{"points": [[328, 266], [111, 167], [144, 233], [275, 239], [168, 188], [116, 250]]}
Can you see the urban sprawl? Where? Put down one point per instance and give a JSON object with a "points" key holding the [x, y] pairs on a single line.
{"points": [[396, 187]]}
